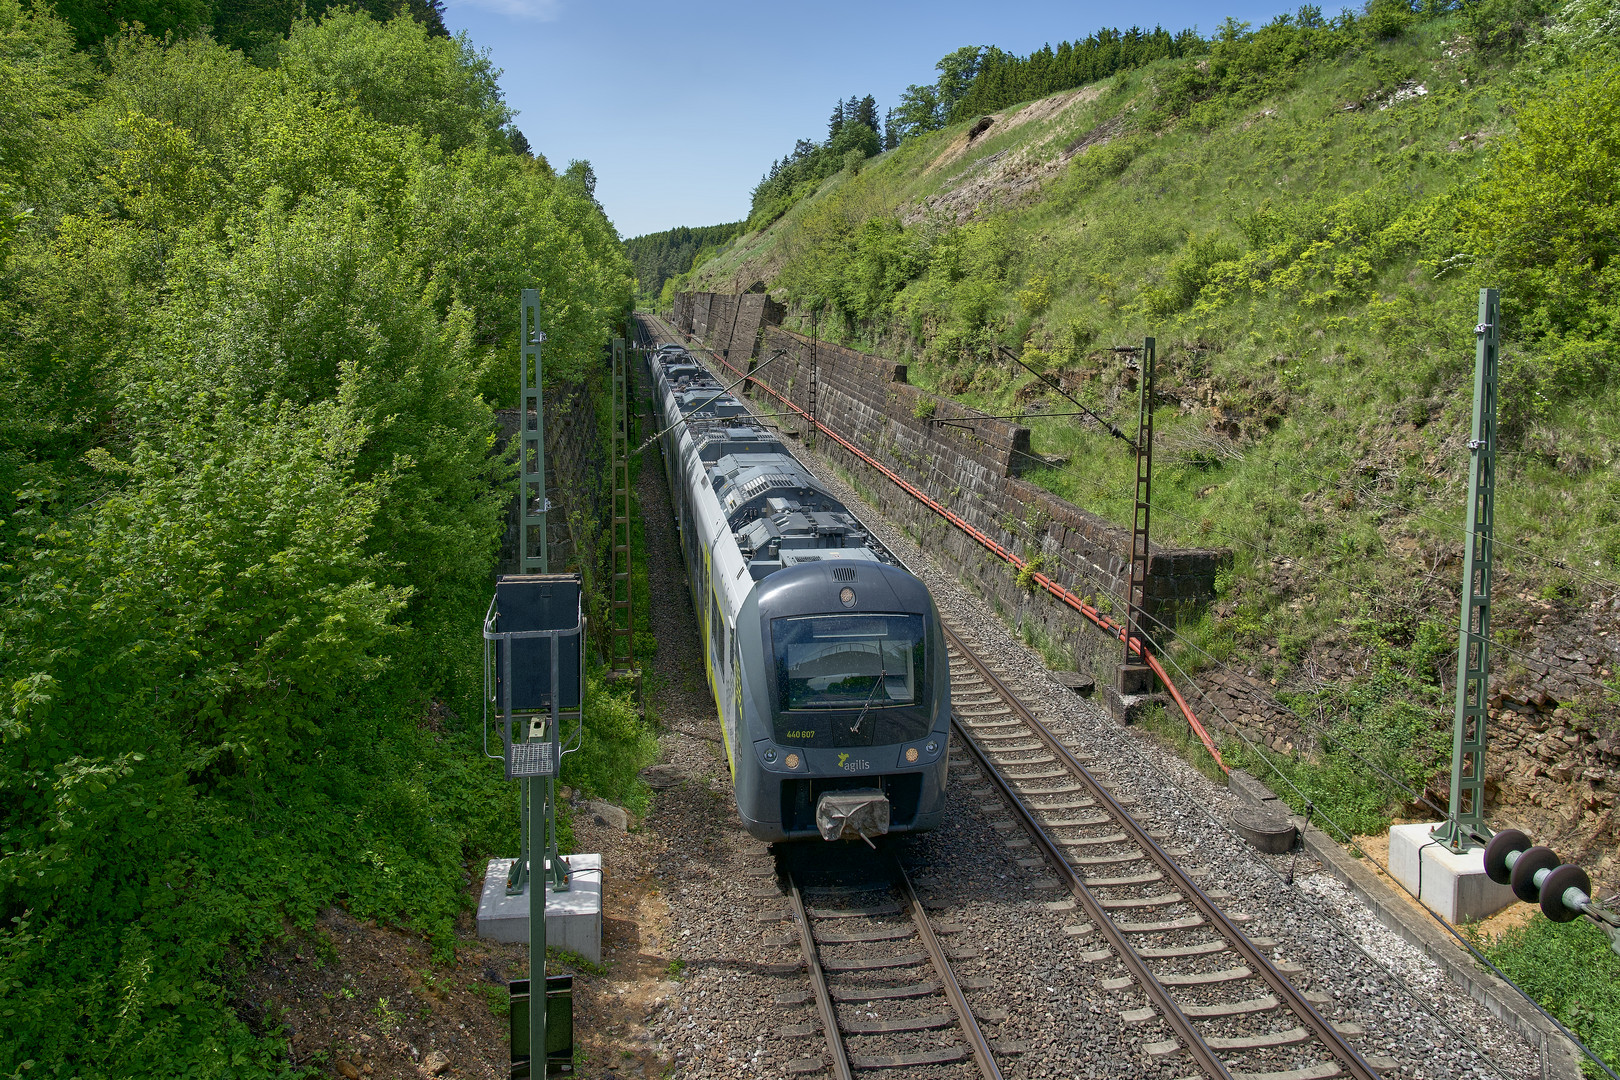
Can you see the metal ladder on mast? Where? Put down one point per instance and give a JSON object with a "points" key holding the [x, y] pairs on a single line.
{"points": [[622, 600]]}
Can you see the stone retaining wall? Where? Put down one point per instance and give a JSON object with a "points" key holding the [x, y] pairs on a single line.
{"points": [[967, 463], [576, 473]]}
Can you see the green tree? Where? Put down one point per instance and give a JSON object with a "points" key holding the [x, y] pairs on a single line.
{"points": [[399, 73], [94, 21], [957, 71], [250, 337], [917, 113]]}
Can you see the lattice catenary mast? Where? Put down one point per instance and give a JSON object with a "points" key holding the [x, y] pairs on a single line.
{"points": [[1465, 824]]}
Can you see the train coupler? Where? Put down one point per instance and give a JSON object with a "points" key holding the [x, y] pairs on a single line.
{"points": [[848, 814]]}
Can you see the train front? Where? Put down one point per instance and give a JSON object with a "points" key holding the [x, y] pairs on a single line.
{"points": [[850, 692]]}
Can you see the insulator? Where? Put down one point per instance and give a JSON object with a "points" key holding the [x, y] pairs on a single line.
{"points": [[1503, 844], [1556, 884], [1524, 872]]}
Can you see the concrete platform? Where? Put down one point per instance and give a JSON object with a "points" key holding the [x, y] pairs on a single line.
{"points": [[1455, 886], [573, 918]]}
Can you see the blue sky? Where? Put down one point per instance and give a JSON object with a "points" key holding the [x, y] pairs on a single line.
{"points": [[680, 107]]}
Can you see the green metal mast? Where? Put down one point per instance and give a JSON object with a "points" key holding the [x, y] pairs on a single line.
{"points": [[533, 503], [1135, 677], [623, 627], [532, 506], [1465, 826]]}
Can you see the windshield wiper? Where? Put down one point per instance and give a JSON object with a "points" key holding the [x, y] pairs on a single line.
{"points": [[881, 680]]}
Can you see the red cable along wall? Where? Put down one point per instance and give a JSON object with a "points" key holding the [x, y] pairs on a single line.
{"points": [[1060, 592]]}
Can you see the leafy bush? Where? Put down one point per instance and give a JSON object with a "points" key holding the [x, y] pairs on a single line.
{"points": [[1497, 26], [1096, 165], [251, 510], [1394, 718], [1543, 224], [1189, 272]]}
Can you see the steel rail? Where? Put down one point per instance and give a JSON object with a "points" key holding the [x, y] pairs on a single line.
{"points": [[842, 1070], [1259, 963], [818, 982], [947, 978], [1202, 1053]]}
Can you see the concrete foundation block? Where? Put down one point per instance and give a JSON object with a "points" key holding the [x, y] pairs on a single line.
{"points": [[1127, 708], [1133, 680], [573, 918], [1454, 886]]}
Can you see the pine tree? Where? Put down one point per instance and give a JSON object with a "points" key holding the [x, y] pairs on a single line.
{"points": [[867, 112], [835, 123], [431, 15]]}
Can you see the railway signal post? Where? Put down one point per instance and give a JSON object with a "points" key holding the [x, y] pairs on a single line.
{"points": [[534, 690], [1465, 824]]}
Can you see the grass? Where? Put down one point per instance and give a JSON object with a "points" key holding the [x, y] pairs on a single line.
{"points": [[556, 957], [1175, 733], [498, 998], [1571, 970]]}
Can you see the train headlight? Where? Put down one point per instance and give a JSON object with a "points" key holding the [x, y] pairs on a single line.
{"points": [[791, 761], [770, 755], [911, 754], [846, 596], [932, 746]]}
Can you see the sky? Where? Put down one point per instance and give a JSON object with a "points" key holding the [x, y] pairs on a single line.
{"points": [[681, 107]]}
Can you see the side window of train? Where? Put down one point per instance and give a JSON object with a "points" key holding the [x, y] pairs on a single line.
{"points": [[705, 588], [716, 629], [736, 678]]}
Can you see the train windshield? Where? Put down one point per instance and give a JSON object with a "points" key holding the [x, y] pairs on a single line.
{"points": [[865, 674]]}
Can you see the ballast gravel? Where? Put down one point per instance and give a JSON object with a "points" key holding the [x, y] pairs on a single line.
{"points": [[741, 986]]}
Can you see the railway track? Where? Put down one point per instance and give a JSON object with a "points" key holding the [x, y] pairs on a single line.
{"points": [[1209, 991], [1185, 977], [885, 993]]}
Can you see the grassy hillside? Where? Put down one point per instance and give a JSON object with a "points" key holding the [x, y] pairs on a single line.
{"points": [[1302, 217]]}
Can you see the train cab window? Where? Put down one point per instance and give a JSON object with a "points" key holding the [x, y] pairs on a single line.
{"points": [[851, 680]]}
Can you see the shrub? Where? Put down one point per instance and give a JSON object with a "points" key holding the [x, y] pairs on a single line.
{"points": [[1543, 221]]}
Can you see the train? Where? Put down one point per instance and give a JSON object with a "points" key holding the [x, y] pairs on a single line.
{"points": [[825, 656]]}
